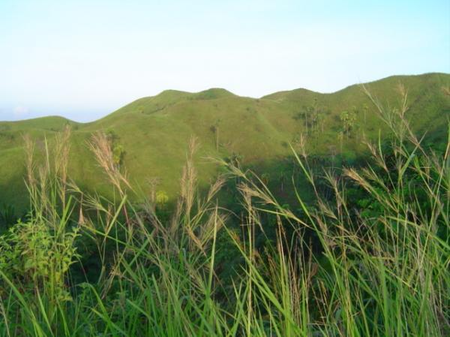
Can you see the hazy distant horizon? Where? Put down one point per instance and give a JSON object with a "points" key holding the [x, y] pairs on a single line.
{"points": [[84, 59], [100, 114]]}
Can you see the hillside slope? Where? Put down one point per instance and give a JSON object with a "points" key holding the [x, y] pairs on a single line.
{"points": [[154, 131]]}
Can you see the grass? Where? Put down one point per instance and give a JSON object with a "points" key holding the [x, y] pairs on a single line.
{"points": [[368, 257], [155, 130]]}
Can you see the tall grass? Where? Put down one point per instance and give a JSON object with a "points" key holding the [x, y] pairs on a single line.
{"points": [[336, 267]]}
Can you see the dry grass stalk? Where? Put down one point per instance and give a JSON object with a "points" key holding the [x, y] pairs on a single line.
{"points": [[61, 161], [189, 178], [101, 147], [29, 161]]}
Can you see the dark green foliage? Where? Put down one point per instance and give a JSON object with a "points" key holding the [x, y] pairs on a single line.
{"points": [[8, 217]]}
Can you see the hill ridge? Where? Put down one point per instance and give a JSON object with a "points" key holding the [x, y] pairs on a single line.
{"points": [[151, 134], [216, 90]]}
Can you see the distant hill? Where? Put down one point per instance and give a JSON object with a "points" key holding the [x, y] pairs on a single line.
{"points": [[154, 131]]}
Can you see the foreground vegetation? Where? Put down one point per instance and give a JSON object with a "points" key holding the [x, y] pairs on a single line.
{"points": [[369, 256]]}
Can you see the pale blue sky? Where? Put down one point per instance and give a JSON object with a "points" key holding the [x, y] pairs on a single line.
{"points": [[84, 59]]}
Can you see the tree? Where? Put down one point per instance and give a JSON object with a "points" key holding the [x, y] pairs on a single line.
{"points": [[282, 177], [348, 120], [118, 150], [265, 177], [321, 121], [333, 152], [312, 116], [215, 130], [118, 154], [161, 198], [341, 139], [305, 115], [365, 109]]}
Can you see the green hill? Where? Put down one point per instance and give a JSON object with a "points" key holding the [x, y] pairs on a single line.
{"points": [[154, 131]]}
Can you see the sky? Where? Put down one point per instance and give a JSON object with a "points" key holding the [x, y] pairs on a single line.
{"points": [[84, 59]]}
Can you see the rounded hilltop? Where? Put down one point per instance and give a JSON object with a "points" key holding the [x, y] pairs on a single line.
{"points": [[154, 130]]}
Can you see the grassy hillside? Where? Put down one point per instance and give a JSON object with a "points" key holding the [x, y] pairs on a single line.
{"points": [[152, 133], [367, 256]]}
